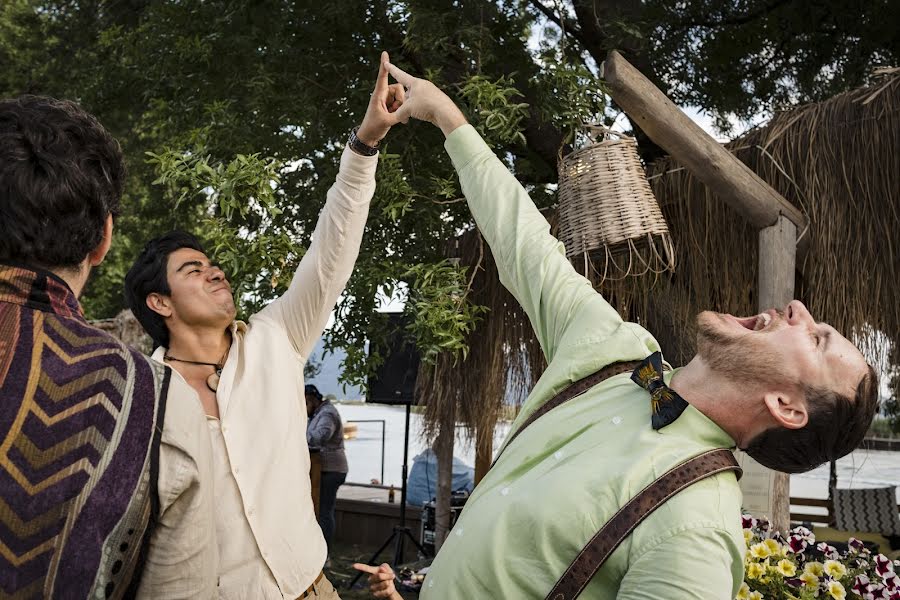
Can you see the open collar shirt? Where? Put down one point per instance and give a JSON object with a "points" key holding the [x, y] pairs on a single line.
{"points": [[269, 541]]}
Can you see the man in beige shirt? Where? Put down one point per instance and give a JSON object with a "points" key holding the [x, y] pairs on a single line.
{"points": [[105, 468], [250, 375]]}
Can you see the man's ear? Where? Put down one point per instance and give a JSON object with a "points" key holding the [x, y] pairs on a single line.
{"points": [[96, 256], [159, 304], [788, 410]]}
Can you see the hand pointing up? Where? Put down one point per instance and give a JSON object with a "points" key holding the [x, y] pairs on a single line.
{"points": [[385, 101], [425, 102]]}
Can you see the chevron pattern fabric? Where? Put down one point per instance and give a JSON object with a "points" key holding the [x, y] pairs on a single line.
{"points": [[873, 510], [80, 418]]}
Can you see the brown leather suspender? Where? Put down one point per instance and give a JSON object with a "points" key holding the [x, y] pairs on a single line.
{"points": [[607, 539], [574, 390]]}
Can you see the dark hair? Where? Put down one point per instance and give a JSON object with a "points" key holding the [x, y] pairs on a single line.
{"points": [[312, 390], [61, 176], [148, 275], [835, 427]]}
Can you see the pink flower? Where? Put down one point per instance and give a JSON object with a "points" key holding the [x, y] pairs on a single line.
{"points": [[863, 587], [828, 550], [797, 543], [883, 565], [891, 582]]}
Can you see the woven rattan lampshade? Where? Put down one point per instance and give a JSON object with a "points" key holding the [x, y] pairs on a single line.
{"points": [[607, 212]]}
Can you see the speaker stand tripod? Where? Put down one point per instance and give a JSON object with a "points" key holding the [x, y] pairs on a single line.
{"points": [[401, 531]]}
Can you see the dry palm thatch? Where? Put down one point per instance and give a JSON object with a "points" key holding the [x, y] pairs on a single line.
{"points": [[504, 359], [838, 160]]}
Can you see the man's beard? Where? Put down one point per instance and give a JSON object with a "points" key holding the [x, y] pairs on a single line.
{"points": [[739, 358]]}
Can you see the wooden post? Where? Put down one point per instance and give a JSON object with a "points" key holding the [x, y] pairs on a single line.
{"points": [[777, 269], [664, 123], [443, 448], [738, 186], [484, 450]]}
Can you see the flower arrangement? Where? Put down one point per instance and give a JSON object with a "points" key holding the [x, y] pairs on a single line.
{"points": [[800, 569]]}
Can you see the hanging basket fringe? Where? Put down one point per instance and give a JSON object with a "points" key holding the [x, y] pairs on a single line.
{"points": [[608, 215]]}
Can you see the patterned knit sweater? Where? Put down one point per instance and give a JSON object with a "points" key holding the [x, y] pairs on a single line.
{"points": [[80, 424]]}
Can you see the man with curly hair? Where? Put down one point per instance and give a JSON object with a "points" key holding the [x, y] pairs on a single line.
{"points": [[105, 464]]}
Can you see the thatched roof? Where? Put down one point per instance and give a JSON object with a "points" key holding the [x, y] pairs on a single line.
{"points": [[838, 161]]}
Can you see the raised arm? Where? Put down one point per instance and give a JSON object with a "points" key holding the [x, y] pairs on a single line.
{"points": [[532, 263], [325, 268]]}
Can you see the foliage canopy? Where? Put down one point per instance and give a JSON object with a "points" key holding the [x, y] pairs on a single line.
{"points": [[233, 114]]}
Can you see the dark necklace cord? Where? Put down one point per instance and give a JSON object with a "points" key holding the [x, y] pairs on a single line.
{"points": [[191, 362]]}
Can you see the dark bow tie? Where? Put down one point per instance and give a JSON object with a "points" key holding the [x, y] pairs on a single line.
{"points": [[667, 405]]}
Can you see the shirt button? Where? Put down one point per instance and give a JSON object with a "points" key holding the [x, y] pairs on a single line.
{"points": [[616, 420], [505, 491], [224, 428]]}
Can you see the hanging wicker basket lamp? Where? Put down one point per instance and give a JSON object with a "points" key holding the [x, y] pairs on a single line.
{"points": [[608, 216]]}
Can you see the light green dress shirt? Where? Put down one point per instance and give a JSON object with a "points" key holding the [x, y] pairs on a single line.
{"points": [[557, 484]]}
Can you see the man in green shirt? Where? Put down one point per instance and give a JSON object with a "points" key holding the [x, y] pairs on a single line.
{"points": [[793, 392]]}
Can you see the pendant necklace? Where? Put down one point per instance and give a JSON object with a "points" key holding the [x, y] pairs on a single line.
{"points": [[212, 382]]}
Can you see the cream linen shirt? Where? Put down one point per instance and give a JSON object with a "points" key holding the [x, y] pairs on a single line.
{"points": [[182, 558], [270, 543]]}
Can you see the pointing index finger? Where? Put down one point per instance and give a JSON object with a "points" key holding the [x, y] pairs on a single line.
{"points": [[381, 83], [400, 75], [365, 568]]}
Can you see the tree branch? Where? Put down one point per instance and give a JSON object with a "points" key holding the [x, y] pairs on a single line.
{"points": [[736, 20], [568, 26]]}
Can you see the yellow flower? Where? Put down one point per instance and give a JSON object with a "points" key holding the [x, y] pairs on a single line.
{"points": [[835, 569], [755, 570], [756, 596], [773, 547], [759, 550], [836, 590], [744, 592], [814, 568], [810, 580], [748, 535], [786, 568]]}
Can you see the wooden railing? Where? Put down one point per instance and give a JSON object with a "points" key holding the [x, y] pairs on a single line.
{"points": [[812, 517]]}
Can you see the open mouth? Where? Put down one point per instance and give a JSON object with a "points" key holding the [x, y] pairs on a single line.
{"points": [[756, 323]]}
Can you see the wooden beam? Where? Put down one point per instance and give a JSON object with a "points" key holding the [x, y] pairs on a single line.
{"points": [[777, 269], [726, 176]]}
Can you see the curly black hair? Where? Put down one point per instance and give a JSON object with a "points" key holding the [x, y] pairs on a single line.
{"points": [[61, 176]]}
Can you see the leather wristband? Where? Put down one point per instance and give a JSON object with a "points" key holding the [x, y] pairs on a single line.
{"points": [[358, 146]]}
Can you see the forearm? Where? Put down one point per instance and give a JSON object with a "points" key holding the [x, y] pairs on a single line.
{"points": [[530, 261], [323, 272], [320, 432]]}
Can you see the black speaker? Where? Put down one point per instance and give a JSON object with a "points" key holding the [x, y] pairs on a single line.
{"points": [[395, 380]]}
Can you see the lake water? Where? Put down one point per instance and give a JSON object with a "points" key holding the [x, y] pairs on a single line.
{"points": [[860, 469]]}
